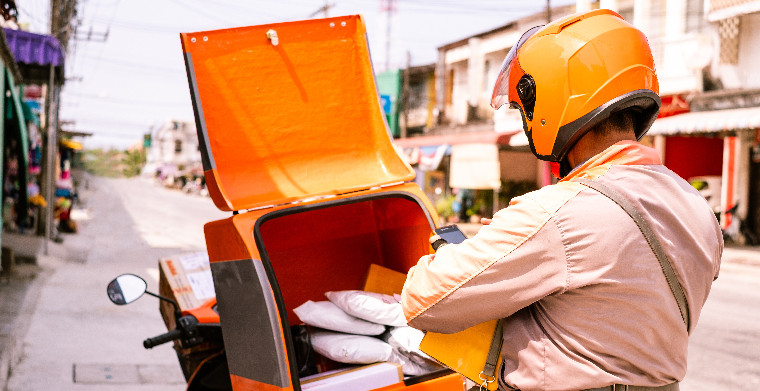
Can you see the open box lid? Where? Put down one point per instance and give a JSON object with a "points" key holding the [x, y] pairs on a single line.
{"points": [[288, 111]]}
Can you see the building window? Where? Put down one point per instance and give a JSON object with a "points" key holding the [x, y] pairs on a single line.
{"points": [[448, 98], [486, 72], [728, 31], [695, 14], [627, 14], [656, 24], [177, 146]]}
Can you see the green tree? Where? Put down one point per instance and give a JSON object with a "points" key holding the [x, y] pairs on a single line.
{"points": [[133, 162]]}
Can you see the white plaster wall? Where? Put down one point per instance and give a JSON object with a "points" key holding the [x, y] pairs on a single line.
{"points": [[163, 140], [495, 60], [681, 61], [749, 51], [475, 68], [457, 54], [459, 95], [744, 74]]}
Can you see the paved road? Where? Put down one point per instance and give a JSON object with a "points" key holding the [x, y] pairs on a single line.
{"points": [[724, 351], [78, 340]]}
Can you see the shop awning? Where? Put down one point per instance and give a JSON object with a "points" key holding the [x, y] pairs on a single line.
{"points": [[427, 151], [457, 138], [7, 58], [70, 144], [475, 166], [35, 54], [707, 122]]}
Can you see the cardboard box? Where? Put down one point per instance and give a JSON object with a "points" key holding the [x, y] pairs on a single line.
{"points": [[363, 378], [383, 280], [186, 279]]}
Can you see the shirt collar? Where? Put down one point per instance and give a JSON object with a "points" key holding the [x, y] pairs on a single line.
{"points": [[621, 153]]}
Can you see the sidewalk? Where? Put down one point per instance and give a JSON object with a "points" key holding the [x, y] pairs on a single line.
{"points": [[35, 261], [19, 292]]}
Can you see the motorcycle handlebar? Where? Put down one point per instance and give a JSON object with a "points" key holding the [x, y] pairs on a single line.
{"points": [[163, 338]]}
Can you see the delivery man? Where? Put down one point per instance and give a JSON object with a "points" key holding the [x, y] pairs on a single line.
{"points": [[585, 302]]}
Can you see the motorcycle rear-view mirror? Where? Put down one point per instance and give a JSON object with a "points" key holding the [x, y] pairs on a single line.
{"points": [[126, 288]]}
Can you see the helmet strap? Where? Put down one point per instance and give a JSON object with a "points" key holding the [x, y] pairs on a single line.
{"points": [[561, 169]]}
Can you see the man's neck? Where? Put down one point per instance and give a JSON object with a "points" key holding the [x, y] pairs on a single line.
{"points": [[593, 143]]}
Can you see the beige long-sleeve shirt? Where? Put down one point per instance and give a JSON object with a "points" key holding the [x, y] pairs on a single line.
{"points": [[584, 298]]}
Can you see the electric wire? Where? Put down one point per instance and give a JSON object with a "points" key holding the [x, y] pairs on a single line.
{"points": [[116, 100]]}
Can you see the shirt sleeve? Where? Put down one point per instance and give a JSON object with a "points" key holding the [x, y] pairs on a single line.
{"points": [[516, 260]]}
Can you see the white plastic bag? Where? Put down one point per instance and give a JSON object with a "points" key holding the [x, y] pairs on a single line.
{"points": [[405, 342], [349, 348], [412, 366], [326, 315], [370, 306]]}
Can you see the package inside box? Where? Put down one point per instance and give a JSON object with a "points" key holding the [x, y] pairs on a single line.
{"points": [[354, 378], [186, 279], [334, 247], [331, 247]]}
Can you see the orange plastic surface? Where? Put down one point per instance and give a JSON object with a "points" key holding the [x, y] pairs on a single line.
{"points": [[333, 247], [243, 384], [204, 313], [289, 120]]}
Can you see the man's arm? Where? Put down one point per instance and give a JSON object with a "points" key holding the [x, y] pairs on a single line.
{"points": [[512, 262]]}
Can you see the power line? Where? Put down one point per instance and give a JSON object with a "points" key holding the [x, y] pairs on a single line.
{"points": [[107, 99], [111, 122], [204, 13], [147, 67]]}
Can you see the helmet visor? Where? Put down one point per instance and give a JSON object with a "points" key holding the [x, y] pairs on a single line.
{"points": [[501, 88]]}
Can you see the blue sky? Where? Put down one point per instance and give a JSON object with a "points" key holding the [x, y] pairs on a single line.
{"points": [[120, 87]]}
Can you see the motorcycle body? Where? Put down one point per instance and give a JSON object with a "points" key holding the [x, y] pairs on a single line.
{"points": [[197, 337]]}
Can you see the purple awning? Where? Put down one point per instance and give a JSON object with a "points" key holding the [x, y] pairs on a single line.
{"points": [[34, 49]]}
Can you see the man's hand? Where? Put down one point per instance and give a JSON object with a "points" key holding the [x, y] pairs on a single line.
{"points": [[485, 221], [437, 242]]}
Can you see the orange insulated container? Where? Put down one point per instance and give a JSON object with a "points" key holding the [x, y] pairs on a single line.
{"points": [[294, 143]]}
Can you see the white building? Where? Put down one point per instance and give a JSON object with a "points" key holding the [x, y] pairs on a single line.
{"points": [[705, 53], [173, 148]]}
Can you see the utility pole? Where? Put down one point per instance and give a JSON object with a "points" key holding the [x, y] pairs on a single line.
{"points": [[91, 35], [548, 11], [62, 12], [405, 96], [323, 9], [389, 7]]}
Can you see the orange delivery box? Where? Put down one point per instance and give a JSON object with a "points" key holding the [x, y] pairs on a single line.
{"points": [[295, 145]]}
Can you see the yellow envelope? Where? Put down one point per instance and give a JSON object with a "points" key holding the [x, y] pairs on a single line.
{"points": [[464, 352]]}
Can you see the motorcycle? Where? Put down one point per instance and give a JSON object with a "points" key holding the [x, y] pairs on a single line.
{"points": [[197, 336]]}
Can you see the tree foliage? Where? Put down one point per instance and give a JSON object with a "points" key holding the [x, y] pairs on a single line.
{"points": [[113, 163]]}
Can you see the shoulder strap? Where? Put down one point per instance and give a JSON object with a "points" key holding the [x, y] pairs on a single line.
{"points": [[654, 243], [488, 374]]}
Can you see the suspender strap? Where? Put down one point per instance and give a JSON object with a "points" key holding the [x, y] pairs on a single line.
{"points": [[489, 369], [654, 243], [488, 374]]}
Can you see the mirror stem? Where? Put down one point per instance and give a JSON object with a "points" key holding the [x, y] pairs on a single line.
{"points": [[177, 312]]}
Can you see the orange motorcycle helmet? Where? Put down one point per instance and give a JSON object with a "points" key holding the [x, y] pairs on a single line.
{"points": [[569, 75]]}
